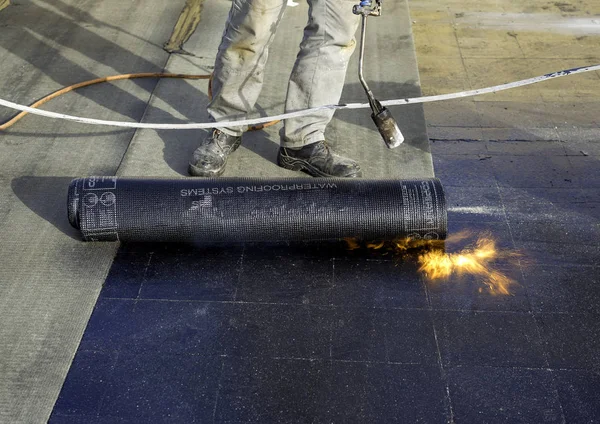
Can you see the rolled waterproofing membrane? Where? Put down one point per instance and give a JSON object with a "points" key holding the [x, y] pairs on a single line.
{"points": [[251, 209]]}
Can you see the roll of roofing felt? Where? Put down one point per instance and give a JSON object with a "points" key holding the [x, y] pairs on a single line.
{"points": [[249, 209]]}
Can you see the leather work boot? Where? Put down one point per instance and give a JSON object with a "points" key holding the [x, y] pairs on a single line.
{"points": [[318, 160], [210, 158]]}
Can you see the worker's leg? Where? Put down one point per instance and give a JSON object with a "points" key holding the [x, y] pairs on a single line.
{"points": [[239, 68], [237, 78], [320, 70]]}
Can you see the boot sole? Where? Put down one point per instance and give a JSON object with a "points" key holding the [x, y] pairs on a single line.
{"points": [[302, 165], [194, 171]]}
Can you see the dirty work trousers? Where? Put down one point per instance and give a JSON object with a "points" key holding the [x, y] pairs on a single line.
{"points": [[317, 77]]}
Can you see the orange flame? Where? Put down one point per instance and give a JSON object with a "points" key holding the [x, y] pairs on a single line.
{"points": [[437, 264], [376, 245], [352, 243], [475, 260]]}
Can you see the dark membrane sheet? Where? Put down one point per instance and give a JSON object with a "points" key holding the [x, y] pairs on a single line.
{"points": [[251, 209]]}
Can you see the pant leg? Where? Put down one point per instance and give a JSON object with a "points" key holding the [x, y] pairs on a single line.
{"points": [[239, 67], [320, 69]]}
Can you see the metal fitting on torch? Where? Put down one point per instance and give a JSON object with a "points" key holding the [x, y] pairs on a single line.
{"points": [[366, 8], [387, 126]]}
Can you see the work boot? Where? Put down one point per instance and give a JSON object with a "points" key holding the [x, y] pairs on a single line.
{"points": [[318, 160], [211, 157]]}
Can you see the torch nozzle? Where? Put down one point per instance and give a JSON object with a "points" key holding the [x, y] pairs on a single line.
{"points": [[388, 128], [385, 122]]}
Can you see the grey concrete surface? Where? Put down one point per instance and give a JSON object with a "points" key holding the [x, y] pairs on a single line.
{"points": [[390, 69], [49, 281]]}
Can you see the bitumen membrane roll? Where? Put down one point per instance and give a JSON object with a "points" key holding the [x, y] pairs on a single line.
{"points": [[251, 209]]}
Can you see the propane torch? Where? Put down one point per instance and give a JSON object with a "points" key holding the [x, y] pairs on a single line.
{"points": [[387, 126]]}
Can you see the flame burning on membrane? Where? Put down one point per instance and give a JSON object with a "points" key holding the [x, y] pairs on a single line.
{"points": [[475, 259]]}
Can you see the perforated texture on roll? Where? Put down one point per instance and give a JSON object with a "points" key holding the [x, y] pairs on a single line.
{"points": [[247, 209]]}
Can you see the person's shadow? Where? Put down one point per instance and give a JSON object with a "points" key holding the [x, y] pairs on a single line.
{"points": [[71, 30]]}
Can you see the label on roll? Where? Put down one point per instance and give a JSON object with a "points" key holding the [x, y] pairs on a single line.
{"points": [[98, 213]]}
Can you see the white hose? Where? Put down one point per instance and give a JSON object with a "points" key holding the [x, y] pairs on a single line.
{"points": [[297, 114]]}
